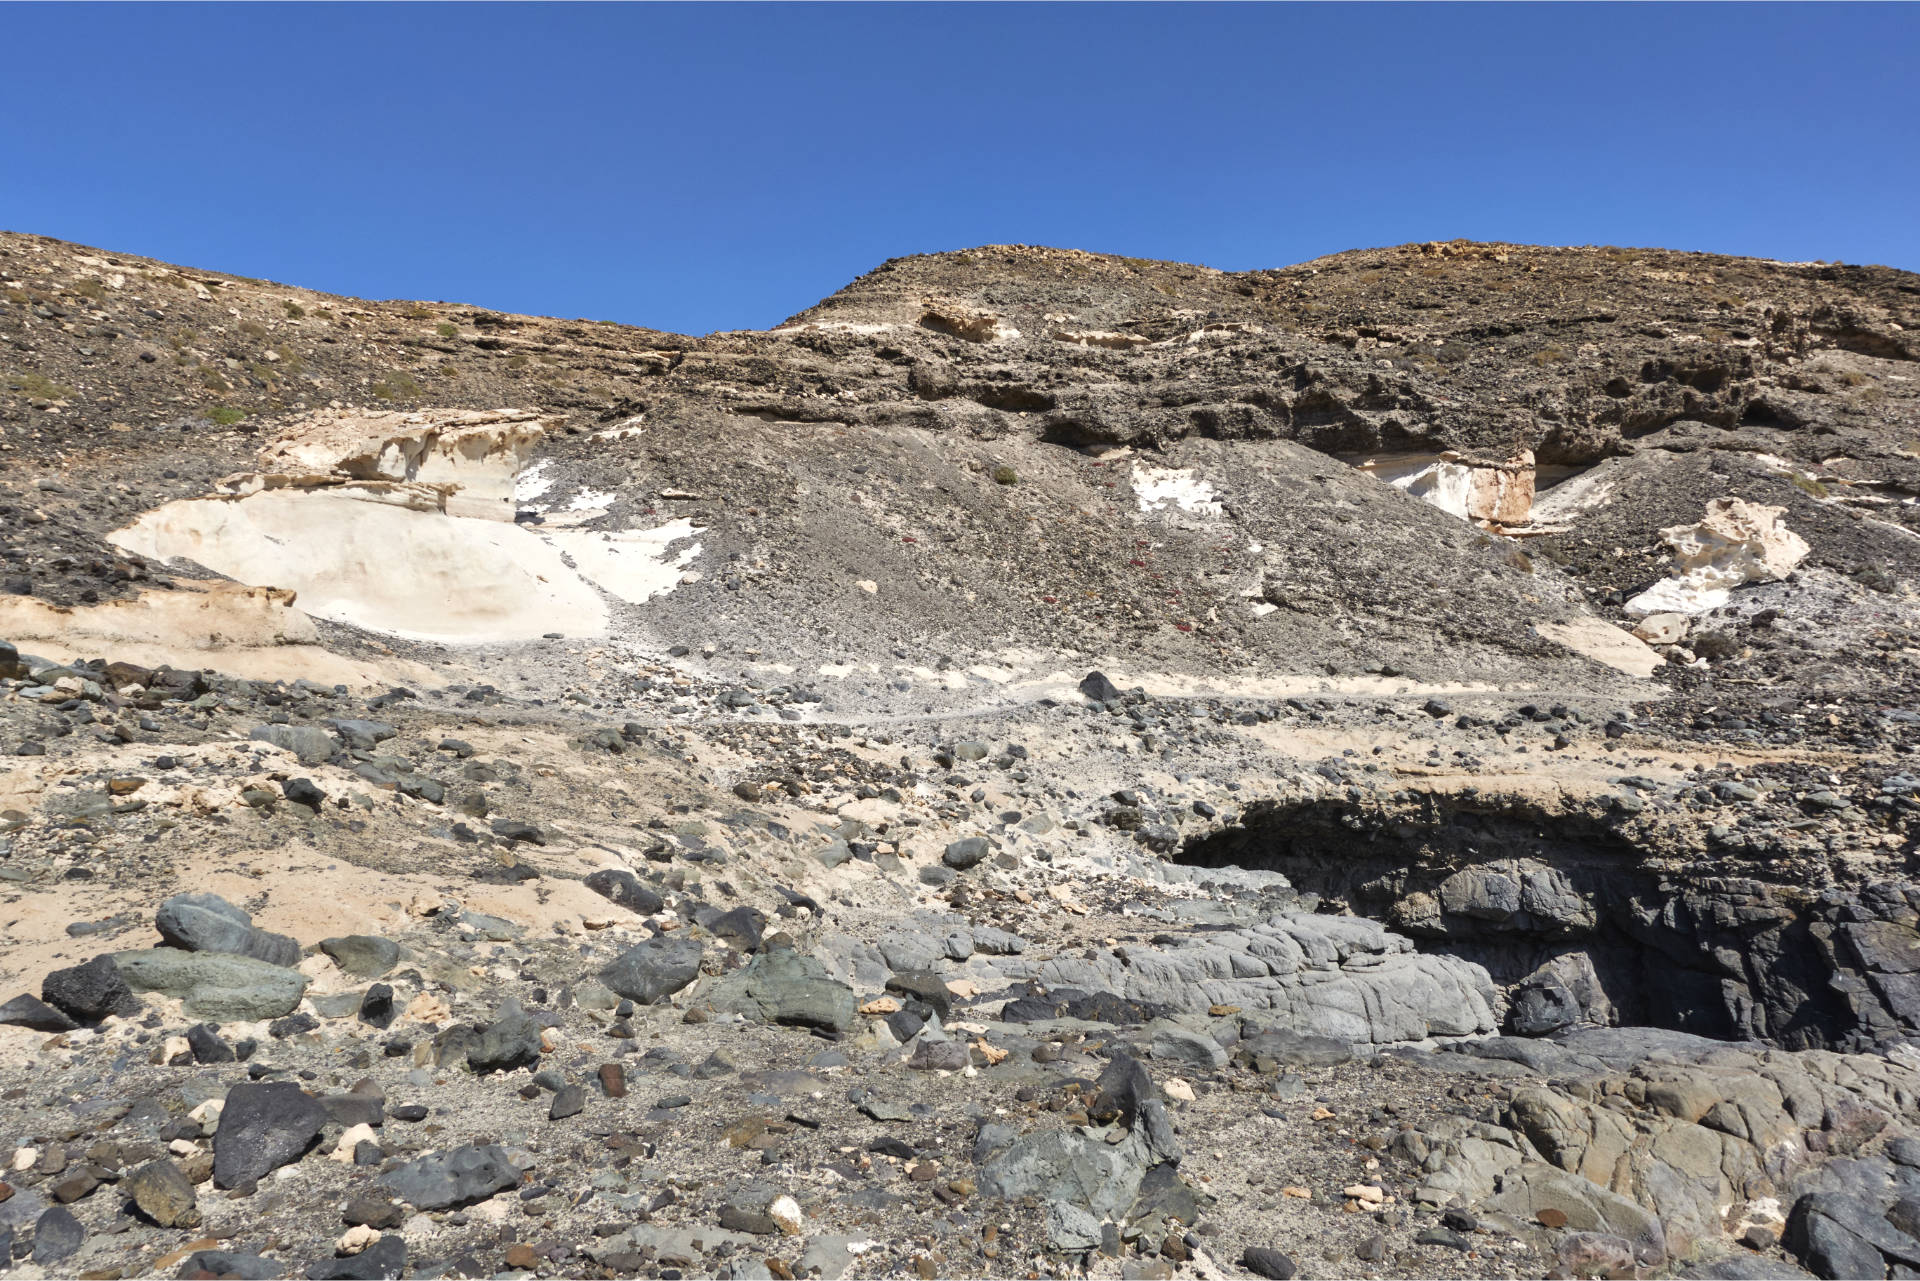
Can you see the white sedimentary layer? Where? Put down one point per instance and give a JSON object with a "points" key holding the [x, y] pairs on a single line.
{"points": [[403, 524], [1735, 543]]}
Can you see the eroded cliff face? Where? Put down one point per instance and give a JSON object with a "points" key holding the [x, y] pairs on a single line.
{"points": [[1405, 760]]}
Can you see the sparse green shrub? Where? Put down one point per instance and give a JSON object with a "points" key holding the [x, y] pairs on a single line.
{"points": [[226, 415], [38, 386], [210, 379], [91, 288], [398, 385], [1005, 475], [447, 329], [294, 310]]}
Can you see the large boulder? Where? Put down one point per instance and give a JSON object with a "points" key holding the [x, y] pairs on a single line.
{"points": [[88, 992], [263, 1126], [443, 1180], [216, 986], [782, 986], [201, 922], [309, 743], [656, 968]]}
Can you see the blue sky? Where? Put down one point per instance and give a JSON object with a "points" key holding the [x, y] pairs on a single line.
{"points": [[706, 167]]}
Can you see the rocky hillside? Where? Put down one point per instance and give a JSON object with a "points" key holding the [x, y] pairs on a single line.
{"points": [[1042, 763]]}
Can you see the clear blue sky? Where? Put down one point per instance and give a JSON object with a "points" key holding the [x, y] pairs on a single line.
{"points": [[697, 168]]}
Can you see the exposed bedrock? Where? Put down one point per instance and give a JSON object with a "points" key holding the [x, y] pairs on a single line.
{"points": [[1580, 917]]}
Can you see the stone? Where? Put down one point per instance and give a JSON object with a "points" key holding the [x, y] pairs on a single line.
{"points": [[1272, 1264], [1541, 1005], [263, 1126], [311, 744], [443, 1180], [163, 1193], [362, 734], [1189, 1049], [230, 1263], [782, 986], [617, 885], [197, 922], [386, 1257], [31, 1012], [221, 987], [511, 1041], [568, 1100], [207, 1045], [57, 1235], [364, 956], [966, 852], [1097, 687], [655, 969], [303, 791], [88, 992]]}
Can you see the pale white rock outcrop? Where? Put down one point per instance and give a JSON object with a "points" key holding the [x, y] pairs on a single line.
{"points": [[1735, 543], [1485, 492]]}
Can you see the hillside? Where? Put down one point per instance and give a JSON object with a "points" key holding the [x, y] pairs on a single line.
{"points": [[1041, 763]]}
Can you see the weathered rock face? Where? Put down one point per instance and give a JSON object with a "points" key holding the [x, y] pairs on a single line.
{"points": [[1343, 977], [468, 458], [1574, 902]]}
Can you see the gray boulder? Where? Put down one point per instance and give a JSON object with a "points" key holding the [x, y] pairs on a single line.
{"points": [[443, 1180], [311, 744], [215, 986], [199, 922], [362, 735], [511, 1041], [365, 956], [782, 986], [263, 1126], [656, 968]]}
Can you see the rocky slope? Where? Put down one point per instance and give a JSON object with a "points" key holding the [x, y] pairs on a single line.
{"points": [[1041, 763]]}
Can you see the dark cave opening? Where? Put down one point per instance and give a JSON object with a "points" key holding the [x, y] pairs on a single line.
{"points": [[1566, 903]]}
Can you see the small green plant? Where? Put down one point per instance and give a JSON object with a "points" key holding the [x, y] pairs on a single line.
{"points": [[294, 310], [447, 370], [1548, 355], [226, 415], [210, 379], [417, 312], [19, 297], [518, 360], [253, 329], [38, 386], [1005, 475], [447, 329], [91, 288], [398, 385], [1808, 485]]}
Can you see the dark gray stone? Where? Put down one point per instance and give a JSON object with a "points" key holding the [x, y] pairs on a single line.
{"points": [[230, 1263], [966, 852], [386, 1257], [511, 1041], [443, 1180], [263, 1126], [30, 1011], [88, 992], [656, 968], [624, 888], [57, 1235]]}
